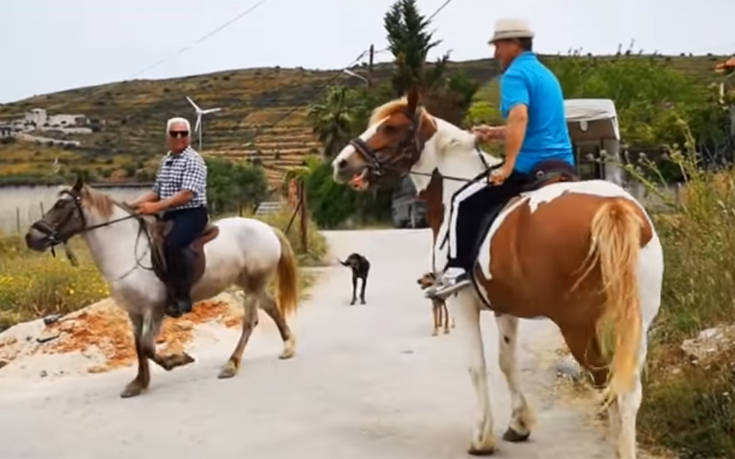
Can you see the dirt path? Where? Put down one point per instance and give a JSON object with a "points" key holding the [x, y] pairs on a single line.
{"points": [[367, 382]]}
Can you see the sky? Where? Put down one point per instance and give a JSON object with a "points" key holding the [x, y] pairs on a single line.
{"points": [[52, 45]]}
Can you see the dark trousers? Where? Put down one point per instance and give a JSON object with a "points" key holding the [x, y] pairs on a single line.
{"points": [[188, 223], [475, 214]]}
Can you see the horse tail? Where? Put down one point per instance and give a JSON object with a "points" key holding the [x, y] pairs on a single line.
{"points": [[288, 278], [616, 233]]}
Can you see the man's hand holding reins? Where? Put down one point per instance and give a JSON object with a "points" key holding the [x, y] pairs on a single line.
{"points": [[148, 208], [485, 133]]}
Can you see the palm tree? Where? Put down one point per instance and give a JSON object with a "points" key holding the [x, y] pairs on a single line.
{"points": [[333, 119]]}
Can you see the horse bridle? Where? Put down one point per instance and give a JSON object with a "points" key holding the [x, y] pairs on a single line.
{"points": [[57, 237], [54, 234], [409, 148]]}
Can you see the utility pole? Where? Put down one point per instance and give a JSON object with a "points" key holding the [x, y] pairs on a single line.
{"points": [[304, 218], [370, 67]]}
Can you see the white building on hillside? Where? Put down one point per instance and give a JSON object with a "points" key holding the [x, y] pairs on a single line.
{"points": [[66, 120], [6, 131], [36, 116]]}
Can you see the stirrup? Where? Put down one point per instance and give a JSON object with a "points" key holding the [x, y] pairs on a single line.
{"points": [[443, 291]]}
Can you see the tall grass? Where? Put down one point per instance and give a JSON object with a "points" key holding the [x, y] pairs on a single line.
{"points": [[687, 407], [36, 284]]}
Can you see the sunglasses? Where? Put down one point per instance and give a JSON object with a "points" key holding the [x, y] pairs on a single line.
{"points": [[179, 134]]}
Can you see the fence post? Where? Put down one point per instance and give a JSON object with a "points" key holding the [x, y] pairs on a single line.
{"points": [[17, 219], [304, 222], [41, 205]]}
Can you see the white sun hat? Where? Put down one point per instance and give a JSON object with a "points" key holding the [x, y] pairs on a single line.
{"points": [[511, 28]]}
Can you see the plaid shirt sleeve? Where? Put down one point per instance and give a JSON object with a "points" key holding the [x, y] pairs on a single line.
{"points": [[195, 176], [157, 182]]}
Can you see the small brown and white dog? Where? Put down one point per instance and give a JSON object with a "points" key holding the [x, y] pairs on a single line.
{"points": [[439, 307]]}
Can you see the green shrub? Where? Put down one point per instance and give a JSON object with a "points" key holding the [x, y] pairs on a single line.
{"points": [[234, 186], [689, 407]]}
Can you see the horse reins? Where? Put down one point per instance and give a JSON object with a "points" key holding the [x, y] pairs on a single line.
{"points": [[409, 148], [56, 237]]}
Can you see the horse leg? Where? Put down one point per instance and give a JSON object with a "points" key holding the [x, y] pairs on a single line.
{"points": [[468, 319], [650, 274], [145, 328], [143, 378], [626, 405], [249, 321], [268, 304], [151, 327], [522, 418]]}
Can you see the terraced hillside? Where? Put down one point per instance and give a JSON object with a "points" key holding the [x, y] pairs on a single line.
{"points": [[263, 119]]}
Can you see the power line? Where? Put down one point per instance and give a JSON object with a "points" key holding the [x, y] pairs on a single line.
{"points": [[432, 16], [339, 74], [439, 9], [202, 38], [319, 88]]}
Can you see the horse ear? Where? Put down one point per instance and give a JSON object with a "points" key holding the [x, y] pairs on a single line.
{"points": [[413, 99], [78, 184]]}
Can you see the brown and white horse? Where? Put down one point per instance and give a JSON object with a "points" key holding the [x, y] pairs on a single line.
{"points": [[583, 254]]}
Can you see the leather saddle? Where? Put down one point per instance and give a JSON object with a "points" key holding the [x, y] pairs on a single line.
{"points": [[544, 174], [551, 171], [160, 230]]}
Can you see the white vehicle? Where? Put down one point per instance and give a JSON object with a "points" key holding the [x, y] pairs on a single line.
{"points": [[595, 134]]}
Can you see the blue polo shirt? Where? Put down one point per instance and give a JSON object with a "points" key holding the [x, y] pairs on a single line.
{"points": [[527, 81]]}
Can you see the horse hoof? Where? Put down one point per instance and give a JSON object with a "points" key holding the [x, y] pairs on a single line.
{"points": [[482, 445], [515, 437], [481, 452], [186, 358], [435, 333], [288, 349], [229, 371], [363, 302]]}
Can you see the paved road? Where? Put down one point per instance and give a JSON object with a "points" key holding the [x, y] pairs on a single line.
{"points": [[367, 382]]}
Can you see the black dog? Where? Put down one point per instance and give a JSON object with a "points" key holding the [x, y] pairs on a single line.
{"points": [[360, 267]]}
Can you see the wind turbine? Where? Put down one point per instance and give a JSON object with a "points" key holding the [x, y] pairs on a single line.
{"points": [[200, 113]]}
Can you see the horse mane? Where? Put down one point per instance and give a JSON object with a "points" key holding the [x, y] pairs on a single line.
{"points": [[98, 202], [391, 107]]}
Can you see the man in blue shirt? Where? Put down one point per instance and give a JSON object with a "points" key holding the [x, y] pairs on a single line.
{"points": [[532, 102]]}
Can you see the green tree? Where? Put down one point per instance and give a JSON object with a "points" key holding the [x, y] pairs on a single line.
{"points": [[649, 95], [232, 186], [410, 43], [334, 118]]}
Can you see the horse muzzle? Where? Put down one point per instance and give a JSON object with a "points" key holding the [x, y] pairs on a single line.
{"points": [[39, 240]]}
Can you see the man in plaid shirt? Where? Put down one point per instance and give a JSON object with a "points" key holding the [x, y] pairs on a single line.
{"points": [[180, 191]]}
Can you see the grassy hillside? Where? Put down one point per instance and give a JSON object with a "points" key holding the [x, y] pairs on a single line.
{"points": [[253, 100]]}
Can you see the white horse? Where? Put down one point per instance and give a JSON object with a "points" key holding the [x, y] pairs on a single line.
{"points": [[529, 265], [246, 253]]}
